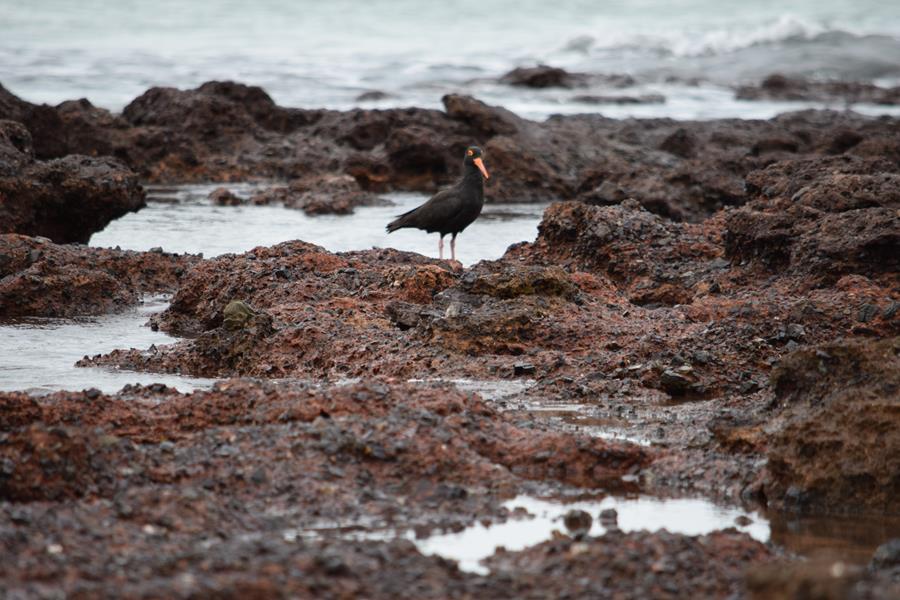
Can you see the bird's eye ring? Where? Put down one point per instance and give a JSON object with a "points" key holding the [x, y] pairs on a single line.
{"points": [[469, 152]]}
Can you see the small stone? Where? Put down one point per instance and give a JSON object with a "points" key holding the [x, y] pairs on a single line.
{"points": [[93, 393], [225, 197], [867, 312], [749, 387], [887, 555], [236, 314], [701, 357], [372, 95], [794, 331], [453, 310], [332, 564], [674, 383], [523, 369], [891, 310], [609, 517], [743, 521], [578, 522]]}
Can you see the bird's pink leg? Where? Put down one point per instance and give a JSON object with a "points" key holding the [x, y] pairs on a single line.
{"points": [[441, 248], [453, 247]]}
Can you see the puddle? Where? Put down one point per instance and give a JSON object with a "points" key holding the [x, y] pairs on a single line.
{"points": [[686, 516], [498, 390], [853, 539], [38, 355], [577, 418]]}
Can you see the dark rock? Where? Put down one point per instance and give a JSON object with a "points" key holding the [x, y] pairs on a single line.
{"points": [[224, 197], [520, 369], [372, 96], [803, 210], [674, 383], [67, 199], [840, 447], [319, 195], [16, 151], [867, 312], [609, 518], [42, 279], [608, 193], [782, 87], [542, 76], [578, 522], [887, 555], [43, 123]]}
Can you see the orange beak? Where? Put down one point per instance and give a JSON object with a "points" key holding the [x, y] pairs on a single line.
{"points": [[480, 164]]}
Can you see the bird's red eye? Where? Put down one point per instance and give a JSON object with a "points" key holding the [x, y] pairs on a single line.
{"points": [[469, 152]]}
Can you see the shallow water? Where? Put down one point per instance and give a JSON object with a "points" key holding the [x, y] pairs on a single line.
{"points": [[181, 219], [689, 516], [39, 355], [324, 54]]}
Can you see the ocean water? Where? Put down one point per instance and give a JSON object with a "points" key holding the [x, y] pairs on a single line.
{"points": [[313, 54]]}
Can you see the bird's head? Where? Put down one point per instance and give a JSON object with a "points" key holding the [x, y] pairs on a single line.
{"points": [[474, 156]]}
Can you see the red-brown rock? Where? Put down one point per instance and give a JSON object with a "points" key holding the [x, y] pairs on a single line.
{"points": [[42, 279]]}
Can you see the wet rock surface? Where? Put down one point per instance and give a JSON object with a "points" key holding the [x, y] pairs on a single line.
{"points": [[229, 131], [672, 565], [41, 279], [285, 466], [66, 199], [716, 313], [839, 450], [543, 76], [646, 322], [782, 87], [319, 195], [824, 217]]}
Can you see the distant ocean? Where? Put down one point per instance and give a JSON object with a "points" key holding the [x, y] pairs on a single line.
{"points": [[326, 53]]}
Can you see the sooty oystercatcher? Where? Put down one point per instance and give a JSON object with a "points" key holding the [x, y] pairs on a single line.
{"points": [[453, 209]]}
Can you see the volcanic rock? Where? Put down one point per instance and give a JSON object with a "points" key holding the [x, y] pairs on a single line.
{"points": [[66, 199], [319, 194], [42, 279], [839, 451], [782, 87], [542, 76]]}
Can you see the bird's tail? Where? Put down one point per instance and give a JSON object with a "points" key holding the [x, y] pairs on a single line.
{"points": [[400, 222]]}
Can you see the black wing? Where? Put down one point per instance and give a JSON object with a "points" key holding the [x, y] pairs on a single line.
{"points": [[440, 208]]}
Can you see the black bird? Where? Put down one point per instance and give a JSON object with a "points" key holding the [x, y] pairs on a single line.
{"points": [[453, 209]]}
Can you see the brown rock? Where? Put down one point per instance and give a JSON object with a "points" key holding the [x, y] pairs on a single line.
{"points": [[839, 451], [782, 87], [804, 210], [542, 76], [319, 195], [43, 463], [224, 197], [66, 199], [39, 278]]}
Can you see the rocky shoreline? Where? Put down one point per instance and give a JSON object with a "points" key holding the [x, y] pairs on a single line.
{"points": [[725, 294]]}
